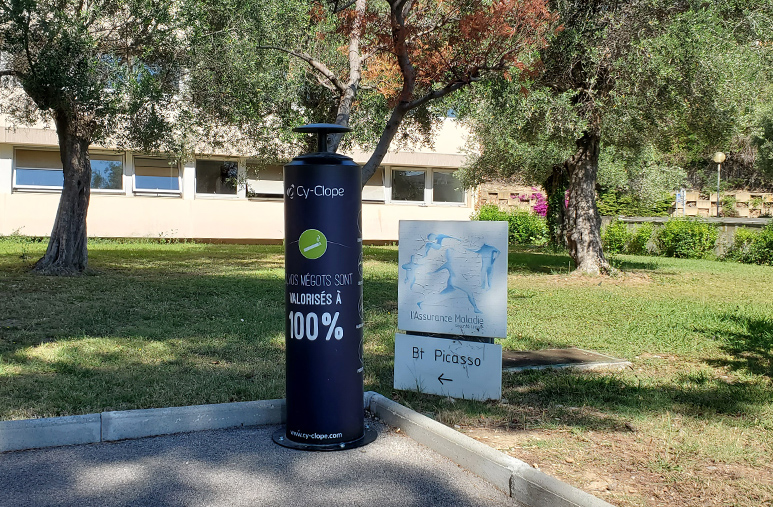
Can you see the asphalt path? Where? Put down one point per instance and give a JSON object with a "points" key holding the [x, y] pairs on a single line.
{"points": [[238, 467]]}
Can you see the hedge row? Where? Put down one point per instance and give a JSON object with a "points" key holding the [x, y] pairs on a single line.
{"points": [[679, 237], [688, 239]]}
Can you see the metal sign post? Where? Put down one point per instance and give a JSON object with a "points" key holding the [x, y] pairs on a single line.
{"points": [[323, 300]]}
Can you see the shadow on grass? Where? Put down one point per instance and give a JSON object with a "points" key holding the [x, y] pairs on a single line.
{"points": [[156, 329], [520, 259], [538, 260], [593, 401], [94, 384], [220, 323], [631, 265], [750, 345], [118, 341], [388, 254]]}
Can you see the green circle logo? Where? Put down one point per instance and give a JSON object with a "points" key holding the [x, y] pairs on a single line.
{"points": [[312, 244]]}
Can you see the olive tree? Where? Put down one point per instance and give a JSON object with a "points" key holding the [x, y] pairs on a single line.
{"points": [[675, 76], [100, 71]]}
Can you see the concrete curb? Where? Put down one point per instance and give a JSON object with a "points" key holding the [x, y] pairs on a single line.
{"points": [[528, 486], [126, 424], [164, 421], [50, 432]]}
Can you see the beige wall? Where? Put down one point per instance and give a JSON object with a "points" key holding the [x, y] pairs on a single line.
{"points": [[32, 214], [189, 215]]}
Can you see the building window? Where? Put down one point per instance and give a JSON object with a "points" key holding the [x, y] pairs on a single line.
{"points": [[38, 169], [39, 177], [106, 172], [216, 177], [156, 175], [408, 185], [264, 180], [426, 186], [374, 188], [446, 187]]}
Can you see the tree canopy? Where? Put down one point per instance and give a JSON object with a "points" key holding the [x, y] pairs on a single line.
{"points": [[563, 89], [632, 88], [373, 64], [108, 66]]}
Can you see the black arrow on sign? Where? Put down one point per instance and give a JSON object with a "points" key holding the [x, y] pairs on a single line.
{"points": [[441, 379]]}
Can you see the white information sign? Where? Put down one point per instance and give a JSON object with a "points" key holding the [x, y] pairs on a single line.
{"points": [[460, 369], [453, 278]]}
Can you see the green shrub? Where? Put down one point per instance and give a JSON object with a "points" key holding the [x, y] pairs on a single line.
{"points": [[687, 239], [640, 238], [753, 247], [619, 238], [524, 228], [490, 213], [616, 203], [743, 238], [527, 228], [762, 247], [728, 203], [615, 237]]}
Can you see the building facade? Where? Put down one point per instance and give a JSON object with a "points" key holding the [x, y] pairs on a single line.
{"points": [[214, 197]]}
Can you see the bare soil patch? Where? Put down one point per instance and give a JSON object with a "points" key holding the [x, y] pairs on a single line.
{"points": [[630, 469], [574, 279]]}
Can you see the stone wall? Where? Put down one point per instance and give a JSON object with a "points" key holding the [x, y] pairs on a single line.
{"points": [[510, 196], [747, 204], [726, 226]]}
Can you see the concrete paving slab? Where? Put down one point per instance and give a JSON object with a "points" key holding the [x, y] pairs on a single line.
{"points": [[236, 467]]}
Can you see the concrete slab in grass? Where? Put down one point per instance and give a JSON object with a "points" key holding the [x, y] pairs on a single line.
{"points": [[579, 359], [163, 421], [49, 432]]}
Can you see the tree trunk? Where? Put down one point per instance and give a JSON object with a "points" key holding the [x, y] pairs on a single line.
{"points": [[67, 252], [583, 221], [346, 100], [388, 134], [555, 187]]}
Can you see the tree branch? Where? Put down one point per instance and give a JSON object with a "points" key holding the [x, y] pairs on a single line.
{"points": [[399, 35], [27, 52], [326, 83], [347, 97], [316, 65], [442, 92], [338, 8]]}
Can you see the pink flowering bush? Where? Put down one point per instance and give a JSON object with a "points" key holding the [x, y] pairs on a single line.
{"points": [[541, 203]]}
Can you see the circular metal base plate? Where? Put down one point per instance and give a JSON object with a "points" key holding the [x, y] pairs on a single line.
{"points": [[280, 437]]}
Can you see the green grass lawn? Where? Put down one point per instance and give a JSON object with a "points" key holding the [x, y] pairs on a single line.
{"points": [[158, 325]]}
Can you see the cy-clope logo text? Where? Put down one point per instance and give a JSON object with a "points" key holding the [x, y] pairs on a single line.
{"points": [[316, 191]]}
